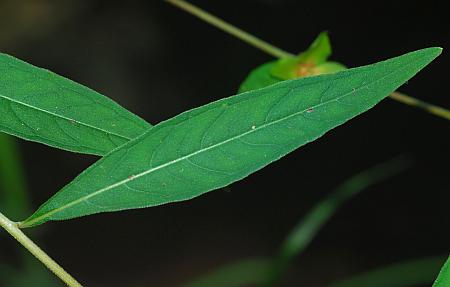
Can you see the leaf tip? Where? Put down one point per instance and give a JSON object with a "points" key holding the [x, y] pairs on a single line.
{"points": [[435, 51]]}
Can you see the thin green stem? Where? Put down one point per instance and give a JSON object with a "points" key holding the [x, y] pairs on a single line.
{"points": [[230, 29], [14, 231], [280, 53], [430, 108]]}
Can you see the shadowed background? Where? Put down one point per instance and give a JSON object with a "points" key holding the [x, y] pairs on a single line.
{"points": [[158, 61]]}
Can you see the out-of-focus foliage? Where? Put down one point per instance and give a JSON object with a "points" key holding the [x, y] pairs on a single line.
{"points": [[405, 274], [269, 271], [14, 199]]}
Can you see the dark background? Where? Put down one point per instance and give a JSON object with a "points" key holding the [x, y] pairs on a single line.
{"points": [[158, 61]]}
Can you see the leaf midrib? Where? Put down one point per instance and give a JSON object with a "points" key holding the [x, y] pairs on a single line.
{"points": [[100, 191], [64, 117]]}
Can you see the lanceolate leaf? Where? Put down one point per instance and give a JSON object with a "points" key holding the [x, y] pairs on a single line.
{"points": [[217, 144], [38, 105]]}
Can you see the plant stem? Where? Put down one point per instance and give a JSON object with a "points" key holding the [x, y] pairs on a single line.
{"points": [[14, 231], [279, 53], [432, 109], [230, 29]]}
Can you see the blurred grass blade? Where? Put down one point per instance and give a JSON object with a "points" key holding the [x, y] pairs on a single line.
{"points": [[406, 274], [261, 74], [222, 142], [302, 234], [267, 272], [13, 194], [443, 279], [40, 106], [249, 272]]}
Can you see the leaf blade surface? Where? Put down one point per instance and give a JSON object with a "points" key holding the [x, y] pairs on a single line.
{"points": [[222, 142], [41, 106]]}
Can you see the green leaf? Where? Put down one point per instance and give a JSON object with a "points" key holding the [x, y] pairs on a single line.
{"points": [[259, 78], [328, 68], [263, 76], [443, 279], [38, 105], [405, 274], [317, 53], [217, 144], [312, 62]]}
